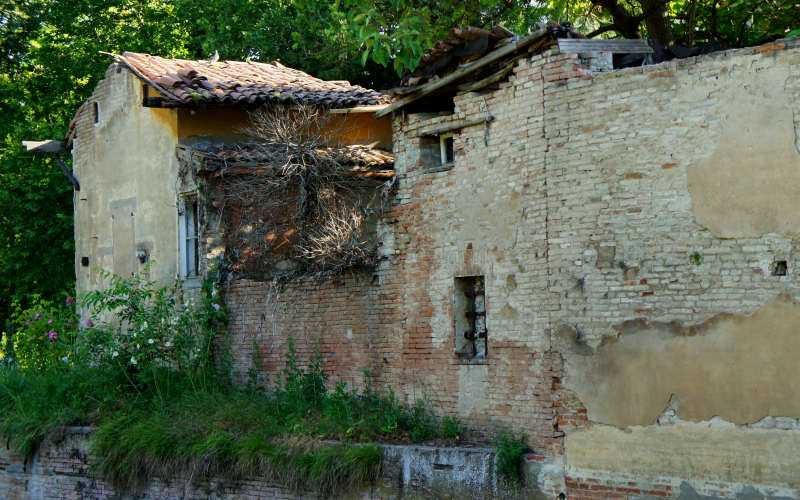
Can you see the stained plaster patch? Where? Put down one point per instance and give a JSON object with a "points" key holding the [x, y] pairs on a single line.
{"points": [[718, 368], [750, 184]]}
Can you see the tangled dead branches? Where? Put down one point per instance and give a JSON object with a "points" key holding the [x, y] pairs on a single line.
{"points": [[306, 205]]}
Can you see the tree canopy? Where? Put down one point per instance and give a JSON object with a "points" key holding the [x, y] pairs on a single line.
{"points": [[51, 62]]}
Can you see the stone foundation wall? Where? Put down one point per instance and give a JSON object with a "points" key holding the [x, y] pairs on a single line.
{"points": [[61, 469]]}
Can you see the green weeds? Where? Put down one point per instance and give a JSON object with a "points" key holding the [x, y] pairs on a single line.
{"points": [[510, 451], [156, 385]]}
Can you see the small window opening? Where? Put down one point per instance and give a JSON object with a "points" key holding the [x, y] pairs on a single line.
{"points": [[85, 261], [470, 317], [779, 268], [189, 237], [446, 144], [96, 111]]}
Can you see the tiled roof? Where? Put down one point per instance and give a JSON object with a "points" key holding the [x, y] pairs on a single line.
{"points": [[241, 158], [184, 82]]}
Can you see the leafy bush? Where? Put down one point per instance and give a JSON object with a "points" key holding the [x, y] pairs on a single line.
{"points": [[45, 334], [509, 451], [151, 327]]}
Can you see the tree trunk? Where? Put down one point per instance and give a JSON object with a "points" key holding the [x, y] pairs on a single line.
{"points": [[657, 21]]}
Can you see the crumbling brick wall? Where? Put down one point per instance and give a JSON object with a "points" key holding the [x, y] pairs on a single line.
{"points": [[630, 227]]}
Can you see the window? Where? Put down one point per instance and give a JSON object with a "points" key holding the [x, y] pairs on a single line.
{"points": [[96, 111], [189, 258], [437, 152], [446, 149], [469, 307]]}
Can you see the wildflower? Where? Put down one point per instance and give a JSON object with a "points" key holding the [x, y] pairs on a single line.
{"points": [[69, 300], [69, 323], [27, 322], [150, 341], [89, 322], [36, 316], [137, 347], [65, 359], [133, 360], [215, 306], [168, 343], [52, 335], [114, 354], [49, 321]]}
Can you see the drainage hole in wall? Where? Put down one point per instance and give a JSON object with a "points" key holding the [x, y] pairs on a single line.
{"points": [[779, 268]]}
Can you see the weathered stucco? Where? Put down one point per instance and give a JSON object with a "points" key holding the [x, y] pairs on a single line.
{"points": [[737, 368], [750, 184], [704, 452], [127, 168]]}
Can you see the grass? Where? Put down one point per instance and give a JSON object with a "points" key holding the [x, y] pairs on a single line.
{"points": [[301, 435]]}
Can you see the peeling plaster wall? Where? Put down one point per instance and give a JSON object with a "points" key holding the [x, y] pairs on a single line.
{"points": [[737, 368], [627, 224], [127, 168], [751, 180], [673, 190]]}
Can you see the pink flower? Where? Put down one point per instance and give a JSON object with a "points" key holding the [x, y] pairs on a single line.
{"points": [[49, 321], [52, 335], [69, 300], [36, 316], [69, 323], [89, 322], [27, 322]]}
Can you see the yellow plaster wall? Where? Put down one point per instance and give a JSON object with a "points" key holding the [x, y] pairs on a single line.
{"points": [[127, 169], [228, 125]]}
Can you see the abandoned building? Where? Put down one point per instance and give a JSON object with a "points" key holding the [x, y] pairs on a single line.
{"points": [[605, 259]]}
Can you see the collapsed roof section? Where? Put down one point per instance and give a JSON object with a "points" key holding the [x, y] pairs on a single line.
{"points": [[219, 159], [472, 59], [468, 60], [185, 83]]}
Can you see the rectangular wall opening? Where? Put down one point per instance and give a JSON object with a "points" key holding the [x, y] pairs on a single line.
{"points": [[469, 307]]}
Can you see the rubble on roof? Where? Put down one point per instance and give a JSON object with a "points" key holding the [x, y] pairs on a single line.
{"points": [[182, 82]]}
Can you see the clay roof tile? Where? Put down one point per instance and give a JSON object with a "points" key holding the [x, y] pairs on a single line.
{"points": [[238, 82]]}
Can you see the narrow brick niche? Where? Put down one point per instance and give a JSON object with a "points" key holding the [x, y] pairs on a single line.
{"points": [[469, 307]]}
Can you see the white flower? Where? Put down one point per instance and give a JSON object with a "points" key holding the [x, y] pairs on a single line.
{"points": [[150, 341], [114, 354], [137, 347], [168, 344], [65, 359], [214, 292], [144, 325], [133, 360], [215, 306]]}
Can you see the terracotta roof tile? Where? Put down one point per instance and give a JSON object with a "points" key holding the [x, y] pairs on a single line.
{"points": [[184, 82]]}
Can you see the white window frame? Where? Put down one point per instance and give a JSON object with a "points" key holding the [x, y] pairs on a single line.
{"points": [[443, 148], [187, 270]]}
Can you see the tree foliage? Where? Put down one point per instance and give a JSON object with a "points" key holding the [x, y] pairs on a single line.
{"points": [[51, 62]]}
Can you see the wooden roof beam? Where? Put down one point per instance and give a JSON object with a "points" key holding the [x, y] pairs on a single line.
{"points": [[52, 146], [464, 71]]}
